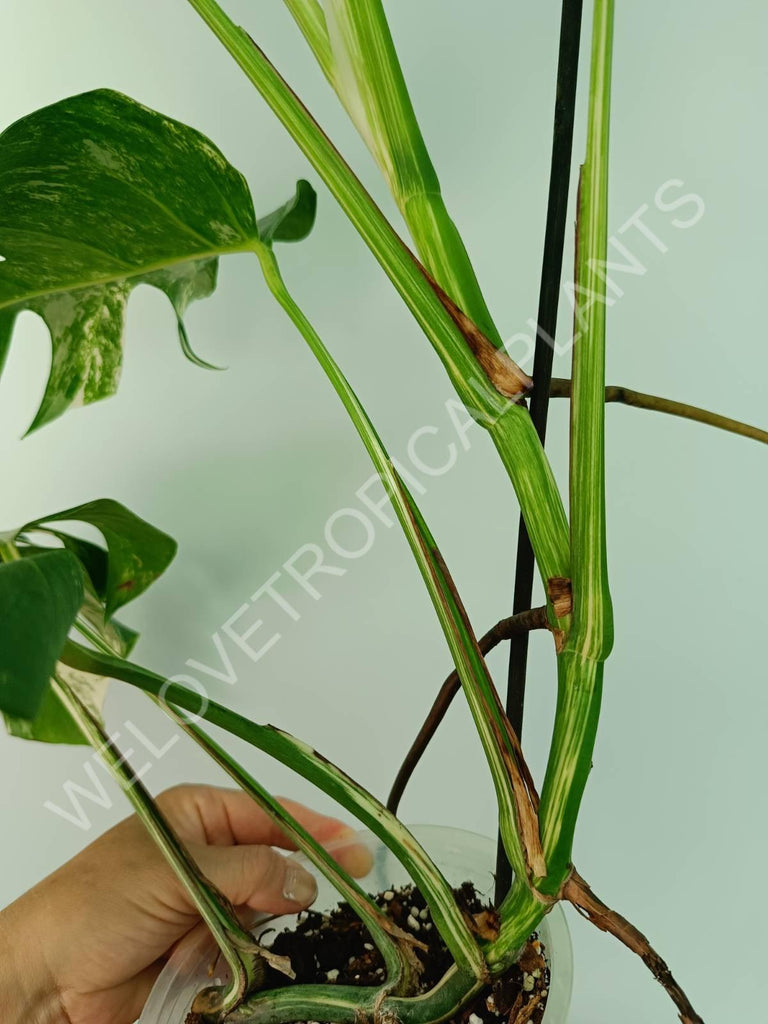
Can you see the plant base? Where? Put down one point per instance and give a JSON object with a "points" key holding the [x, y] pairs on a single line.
{"points": [[460, 856]]}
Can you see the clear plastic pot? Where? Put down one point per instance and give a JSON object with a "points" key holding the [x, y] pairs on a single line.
{"points": [[460, 855]]}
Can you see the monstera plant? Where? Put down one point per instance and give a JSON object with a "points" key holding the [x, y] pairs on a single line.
{"points": [[99, 194]]}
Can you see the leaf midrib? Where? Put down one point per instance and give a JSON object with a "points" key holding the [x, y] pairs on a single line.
{"points": [[150, 197], [5, 231], [247, 245]]}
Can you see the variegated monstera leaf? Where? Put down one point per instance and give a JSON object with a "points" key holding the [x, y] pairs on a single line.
{"points": [[98, 194]]}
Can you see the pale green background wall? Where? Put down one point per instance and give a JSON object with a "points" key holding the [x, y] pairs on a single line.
{"points": [[244, 470]]}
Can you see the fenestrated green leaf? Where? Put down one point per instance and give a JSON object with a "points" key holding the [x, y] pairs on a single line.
{"points": [[98, 194], [137, 552], [39, 599]]}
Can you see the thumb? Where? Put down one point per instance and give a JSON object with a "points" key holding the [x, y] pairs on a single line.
{"points": [[258, 877]]}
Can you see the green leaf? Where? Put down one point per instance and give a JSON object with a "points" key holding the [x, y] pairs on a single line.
{"points": [[53, 723], [7, 321], [137, 552], [39, 599], [294, 220], [182, 284], [119, 638], [93, 557], [98, 194]]}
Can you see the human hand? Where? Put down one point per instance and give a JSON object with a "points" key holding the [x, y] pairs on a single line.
{"points": [[86, 945]]}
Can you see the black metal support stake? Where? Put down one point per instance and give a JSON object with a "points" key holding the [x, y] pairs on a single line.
{"points": [[549, 293]]}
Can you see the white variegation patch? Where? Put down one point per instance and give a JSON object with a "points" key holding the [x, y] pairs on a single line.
{"points": [[91, 690], [86, 330], [98, 194], [354, 88]]}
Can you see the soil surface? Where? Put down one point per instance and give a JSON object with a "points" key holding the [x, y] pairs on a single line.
{"points": [[336, 948]]}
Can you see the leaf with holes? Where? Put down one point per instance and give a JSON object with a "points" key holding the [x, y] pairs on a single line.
{"points": [[98, 194]]}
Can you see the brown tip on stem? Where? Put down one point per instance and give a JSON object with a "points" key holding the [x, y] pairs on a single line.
{"points": [[501, 370]]}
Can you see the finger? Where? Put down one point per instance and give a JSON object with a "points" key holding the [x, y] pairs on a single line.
{"points": [[225, 817], [354, 857], [248, 827], [337, 837], [257, 877]]}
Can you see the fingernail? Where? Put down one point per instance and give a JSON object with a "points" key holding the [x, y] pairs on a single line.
{"points": [[299, 886], [356, 859]]}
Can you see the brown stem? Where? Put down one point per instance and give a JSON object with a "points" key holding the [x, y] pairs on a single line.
{"points": [[502, 371], [535, 618], [561, 388], [577, 892]]}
